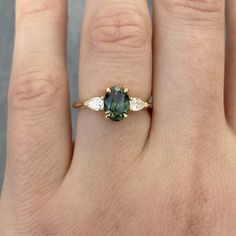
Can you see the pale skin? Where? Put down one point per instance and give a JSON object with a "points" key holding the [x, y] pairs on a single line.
{"points": [[172, 172]]}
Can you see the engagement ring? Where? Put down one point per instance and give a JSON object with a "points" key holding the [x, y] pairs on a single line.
{"points": [[116, 103]]}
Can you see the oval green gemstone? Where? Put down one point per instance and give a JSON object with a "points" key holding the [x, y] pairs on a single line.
{"points": [[117, 103]]}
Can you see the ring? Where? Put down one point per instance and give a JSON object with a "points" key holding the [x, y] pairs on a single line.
{"points": [[116, 103]]}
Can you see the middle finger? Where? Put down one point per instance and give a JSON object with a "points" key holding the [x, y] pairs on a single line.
{"points": [[115, 50]]}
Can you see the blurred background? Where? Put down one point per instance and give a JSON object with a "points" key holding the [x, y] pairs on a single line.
{"points": [[7, 7]]}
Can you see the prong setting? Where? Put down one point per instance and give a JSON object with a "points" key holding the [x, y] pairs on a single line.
{"points": [[126, 90], [108, 114], [125, 115], [108, 90], [116, 101]]}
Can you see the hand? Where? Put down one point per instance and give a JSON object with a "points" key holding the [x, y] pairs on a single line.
{"points": [[169, 173]]}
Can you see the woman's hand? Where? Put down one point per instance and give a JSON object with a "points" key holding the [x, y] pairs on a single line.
{"points": [[169, 173]]}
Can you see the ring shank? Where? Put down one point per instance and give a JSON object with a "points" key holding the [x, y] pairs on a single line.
{"points": [[78, 105], [149, 105]]}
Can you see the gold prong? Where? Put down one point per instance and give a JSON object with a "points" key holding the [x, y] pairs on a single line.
{"points": [[125, 115], [107, 114], [126, 90], [108, 90], [102, 97]]}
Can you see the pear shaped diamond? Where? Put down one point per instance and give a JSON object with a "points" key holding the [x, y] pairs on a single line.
{"points": [[137, 104], [96, 104]]}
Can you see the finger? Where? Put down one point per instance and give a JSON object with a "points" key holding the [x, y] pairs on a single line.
{"points": [[39, 136], [230, 83], [189, 66], [115, 50]]}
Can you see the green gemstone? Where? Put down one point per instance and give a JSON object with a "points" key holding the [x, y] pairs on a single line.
{"points": [[116, 103]]}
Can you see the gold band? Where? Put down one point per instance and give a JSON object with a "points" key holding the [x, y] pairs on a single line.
{"points": [[78, 105]]}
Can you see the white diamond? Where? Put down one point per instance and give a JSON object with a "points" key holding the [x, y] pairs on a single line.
{"points": [[96, 104], [137, 104]]}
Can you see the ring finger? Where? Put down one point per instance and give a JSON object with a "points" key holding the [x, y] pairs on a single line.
{"points": [[115, 50]]}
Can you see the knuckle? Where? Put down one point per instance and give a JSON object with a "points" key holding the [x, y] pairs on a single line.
{"points": [[197, 10], [35, 89], [119, 27]]}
